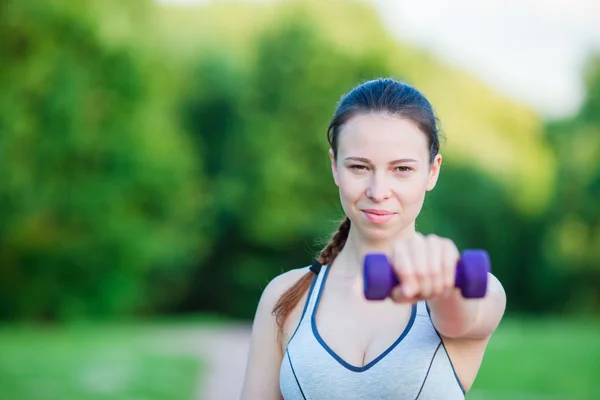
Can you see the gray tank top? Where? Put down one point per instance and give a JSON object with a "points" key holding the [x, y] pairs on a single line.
{"points": [[415, 366]]}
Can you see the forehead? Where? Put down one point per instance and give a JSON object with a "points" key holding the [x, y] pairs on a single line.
{"points": [[382, 137]]}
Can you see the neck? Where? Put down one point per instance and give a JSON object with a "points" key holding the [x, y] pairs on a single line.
{"points": [[349, 262]]}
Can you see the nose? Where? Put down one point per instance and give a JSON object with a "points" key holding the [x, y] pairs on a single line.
{"points": [[379, 188]]}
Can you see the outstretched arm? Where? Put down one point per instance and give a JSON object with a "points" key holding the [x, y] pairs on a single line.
{"points": [[426, 266], [456, 317]]}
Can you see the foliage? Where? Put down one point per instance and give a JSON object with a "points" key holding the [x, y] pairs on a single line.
{"points": [[99, 193], [573, 233], [264, 120], [174, 158]]}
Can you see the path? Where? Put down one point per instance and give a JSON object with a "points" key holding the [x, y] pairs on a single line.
{"points": [[223, 350]]}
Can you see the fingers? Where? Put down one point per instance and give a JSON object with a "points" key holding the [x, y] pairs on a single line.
{"points": [[450, 258], [425, 266], [435, 254], [404, 269], [421, 258]]}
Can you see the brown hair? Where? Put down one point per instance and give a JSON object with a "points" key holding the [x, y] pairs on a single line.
{"points": [[292, 296], [384, 96]]}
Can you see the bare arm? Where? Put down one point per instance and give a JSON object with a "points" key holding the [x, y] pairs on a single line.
{"points": [[264, 359], [427, 268], [456, 317]]}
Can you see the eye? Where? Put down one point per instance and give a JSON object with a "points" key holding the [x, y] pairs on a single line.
{"points": [[357, 167], [403, 169]]}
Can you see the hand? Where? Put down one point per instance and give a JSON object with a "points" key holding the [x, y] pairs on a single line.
{"points": [[425, 266]]}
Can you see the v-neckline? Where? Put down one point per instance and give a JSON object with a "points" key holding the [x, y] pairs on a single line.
{"points": [[334, 354]]}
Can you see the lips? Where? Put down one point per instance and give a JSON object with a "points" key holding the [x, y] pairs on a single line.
{"points": [[378, 216], [378, 212]]}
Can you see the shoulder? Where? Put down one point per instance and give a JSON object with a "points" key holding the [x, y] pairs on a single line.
{"points": [[277, 287], [264, 357], [265, 327], [284, 281]]}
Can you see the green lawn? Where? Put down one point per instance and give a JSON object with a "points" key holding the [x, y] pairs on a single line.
{"points": [[114, 362], [526, 360], [537, 360]]}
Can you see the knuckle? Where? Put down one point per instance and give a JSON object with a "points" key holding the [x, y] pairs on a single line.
{"points": [[399, 249], [433, 238], [447, 242], [421, 273], [404, 273], [396, 294], [447, 265], [398, 261], [441, 283], [449, 270], [448, 280], [418, 239], [399, 243]]}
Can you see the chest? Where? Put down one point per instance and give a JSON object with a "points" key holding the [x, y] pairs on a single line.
{"points": [[359, 331], [403, 365], [361, 346]]}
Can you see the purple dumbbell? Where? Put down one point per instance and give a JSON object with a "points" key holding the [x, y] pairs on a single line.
{"points": [[471, 275]]}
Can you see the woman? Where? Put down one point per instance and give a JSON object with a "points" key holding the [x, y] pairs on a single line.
{"points": [[315, 336]]}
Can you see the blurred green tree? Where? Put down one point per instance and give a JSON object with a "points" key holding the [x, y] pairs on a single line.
{"points": [[264, 126], [100, 191], [476, 211], [573, 228]]}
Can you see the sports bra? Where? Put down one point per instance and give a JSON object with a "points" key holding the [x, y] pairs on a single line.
{"points": [[416, 366]]}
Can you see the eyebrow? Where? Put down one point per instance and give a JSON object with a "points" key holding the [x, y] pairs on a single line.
{"points": [[367, 161]]}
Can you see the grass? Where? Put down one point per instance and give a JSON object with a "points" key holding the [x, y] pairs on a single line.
{"points": [[94, 362], [541, 359], [550, 359]]}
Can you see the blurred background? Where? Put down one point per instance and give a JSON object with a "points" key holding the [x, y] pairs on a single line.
{"points": [[162, 161]]}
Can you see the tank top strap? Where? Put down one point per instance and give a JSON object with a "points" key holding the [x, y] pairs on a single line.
{"points": [[422, 308], [313, 293]]}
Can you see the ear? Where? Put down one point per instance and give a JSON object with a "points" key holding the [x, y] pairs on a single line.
{"points": [[334, 169], [434, 172]]}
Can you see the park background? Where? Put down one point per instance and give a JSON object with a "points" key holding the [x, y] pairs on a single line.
{"points": [[161, 162]]}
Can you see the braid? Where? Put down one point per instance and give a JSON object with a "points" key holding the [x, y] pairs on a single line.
{"points": [[292, 296], [336, 244]]}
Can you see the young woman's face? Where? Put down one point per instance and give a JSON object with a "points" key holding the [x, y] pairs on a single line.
{"points": [[383, 172]]}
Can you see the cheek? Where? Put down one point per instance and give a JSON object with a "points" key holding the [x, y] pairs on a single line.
{"points": [[351, 187], [411, 191]]}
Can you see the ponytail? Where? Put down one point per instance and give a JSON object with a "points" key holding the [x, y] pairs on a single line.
{"points": [[288, 301]]}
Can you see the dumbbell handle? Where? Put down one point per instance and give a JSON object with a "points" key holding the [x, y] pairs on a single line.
{"points": [[471, 275]]}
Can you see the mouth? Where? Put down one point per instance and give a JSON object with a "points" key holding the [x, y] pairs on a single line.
{"points": [[378, 216], [377, 212]]}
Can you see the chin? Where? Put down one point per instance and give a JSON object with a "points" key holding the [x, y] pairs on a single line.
{"points": [[379, 233]]}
